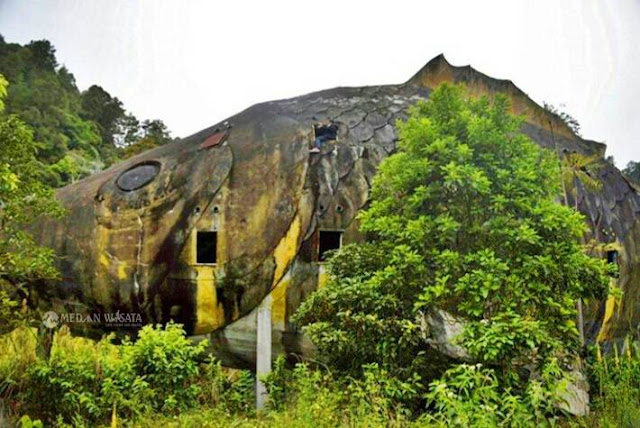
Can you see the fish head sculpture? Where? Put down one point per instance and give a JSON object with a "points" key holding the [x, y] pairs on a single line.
{"points": [[208, 229]]}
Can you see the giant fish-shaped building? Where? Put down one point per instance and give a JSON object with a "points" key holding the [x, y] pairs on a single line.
{"points": [[238, 216]]}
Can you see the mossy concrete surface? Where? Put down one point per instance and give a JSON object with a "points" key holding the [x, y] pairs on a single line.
{"points": [[128, 242]]}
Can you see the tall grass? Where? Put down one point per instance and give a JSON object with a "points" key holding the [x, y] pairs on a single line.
{"points": [[615, 381], [163, 379]]}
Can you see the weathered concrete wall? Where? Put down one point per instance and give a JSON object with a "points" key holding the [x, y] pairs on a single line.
{"points": [[267, 197]]}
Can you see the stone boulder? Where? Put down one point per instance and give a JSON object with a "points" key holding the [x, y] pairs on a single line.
{"points": [[574, 398], [441, 332]]}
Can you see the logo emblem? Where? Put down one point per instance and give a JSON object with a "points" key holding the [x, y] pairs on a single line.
{"points": [[50, 319]]}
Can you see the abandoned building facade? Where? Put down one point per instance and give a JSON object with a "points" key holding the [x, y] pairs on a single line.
{"points": [[206, 230]]}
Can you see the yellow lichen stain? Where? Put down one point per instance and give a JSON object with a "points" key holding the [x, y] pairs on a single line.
{"points": [[606, 321], [284, 253], [118, 267], [222, 236], [279, 302], [258, 218], [188, 254], [609, 309], [100, 290], [286, 250], [207, 309], [122, 271], [209, 312], [104, 260], [431, 80]]}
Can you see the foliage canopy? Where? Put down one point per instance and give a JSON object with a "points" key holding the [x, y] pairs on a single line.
{"points": [[23, 197], [77, 133], [632, 170], [464, 217]]}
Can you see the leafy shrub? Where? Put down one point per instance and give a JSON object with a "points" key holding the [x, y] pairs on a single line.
{"points": [[88, 382], [378, 398], [67, 384], [473, 396], [27, 422], [168, 362], [277, 382], [315, 399], [465, 218]]}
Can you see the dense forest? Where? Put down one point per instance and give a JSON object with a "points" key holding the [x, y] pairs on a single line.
{"points": [[78, 132]]}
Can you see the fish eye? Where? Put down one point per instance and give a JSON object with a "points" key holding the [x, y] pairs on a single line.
{"points": [[138, 176]]}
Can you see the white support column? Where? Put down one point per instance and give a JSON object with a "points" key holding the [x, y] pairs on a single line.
{"points": [[263, 352]]}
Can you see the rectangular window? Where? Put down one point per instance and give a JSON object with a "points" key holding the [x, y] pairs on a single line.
{"points": [[206, 247], [612, 257], [328, 240]]}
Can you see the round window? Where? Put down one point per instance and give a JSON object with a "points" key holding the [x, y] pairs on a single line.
{"points": [[138, 176]]}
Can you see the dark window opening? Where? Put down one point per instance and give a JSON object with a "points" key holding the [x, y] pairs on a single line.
{"points": [[206, 247], [329, 240], [323, 133], [612, 258], [326, 131]]}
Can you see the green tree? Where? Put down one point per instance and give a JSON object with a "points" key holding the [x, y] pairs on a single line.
{"points": [[632, 171], [77, 133], [107, 111], [156, 129], [463, 218], [44, 96], [155, 133], [23, 197]]}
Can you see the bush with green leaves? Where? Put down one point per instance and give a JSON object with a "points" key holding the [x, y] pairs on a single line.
{"points": [[168, 362], [464, 217], [473, 396], [23, 197], [83, 381]]}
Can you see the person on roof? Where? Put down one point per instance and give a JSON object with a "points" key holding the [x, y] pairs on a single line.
{"points": [[324, 133]]}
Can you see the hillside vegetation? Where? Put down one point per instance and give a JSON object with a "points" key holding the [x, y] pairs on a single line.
{"points": [[77, 133]]}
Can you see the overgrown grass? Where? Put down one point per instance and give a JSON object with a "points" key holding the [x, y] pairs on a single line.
{"points": [[163, 379], [88, 383], [615, 388], [17, 353]]}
